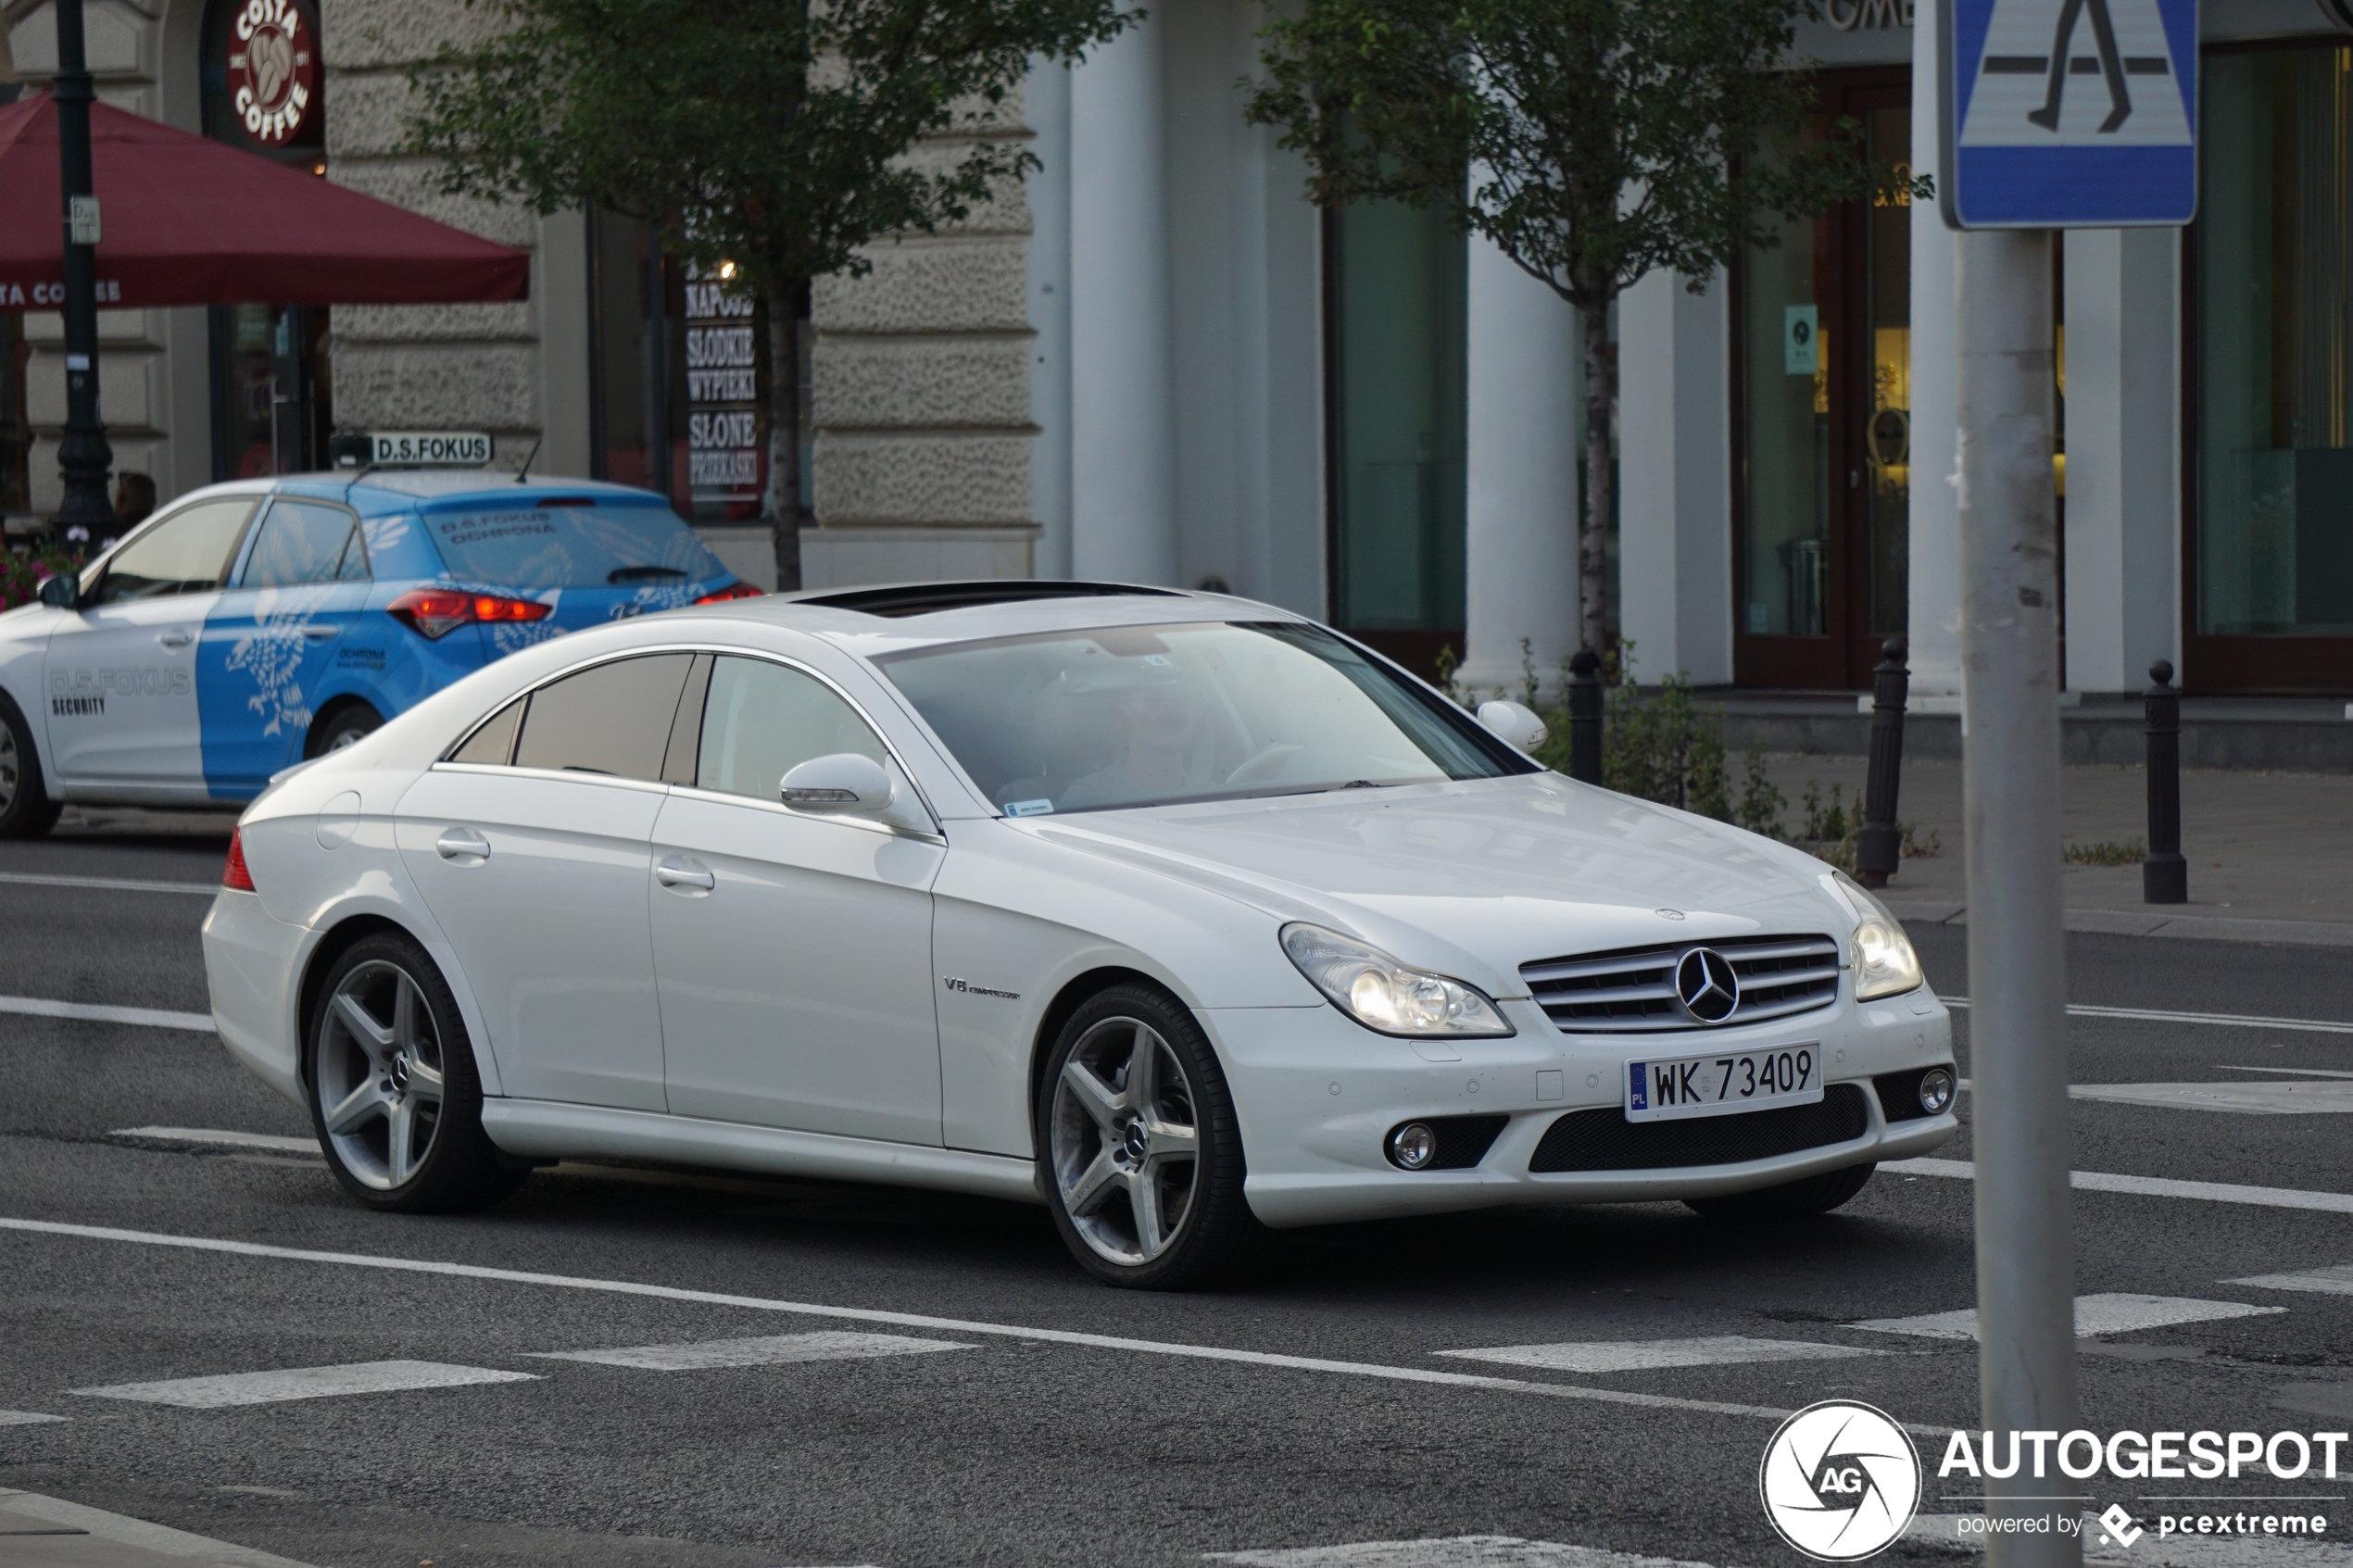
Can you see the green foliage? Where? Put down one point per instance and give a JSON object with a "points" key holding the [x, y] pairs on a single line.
{"points": [[771, 133], [21, 573], [2107, 852]]}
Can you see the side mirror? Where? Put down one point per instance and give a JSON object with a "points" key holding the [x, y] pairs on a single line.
{"points": [[61, 592], [843, 783], [1515, 723]]}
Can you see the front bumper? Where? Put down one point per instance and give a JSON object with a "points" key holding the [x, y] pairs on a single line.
{"points": [[1317, 1094]]}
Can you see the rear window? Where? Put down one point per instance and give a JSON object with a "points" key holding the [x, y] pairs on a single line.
{"points": [[572, 548]]}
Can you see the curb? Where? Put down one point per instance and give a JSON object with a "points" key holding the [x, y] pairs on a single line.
{"points": [[2135, 922], [41, 1530]]}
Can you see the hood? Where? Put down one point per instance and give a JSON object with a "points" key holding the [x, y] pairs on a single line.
{"points": [[1477, 879]]}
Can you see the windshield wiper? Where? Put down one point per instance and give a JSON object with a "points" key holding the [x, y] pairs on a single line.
{"points": [[634, 573]]}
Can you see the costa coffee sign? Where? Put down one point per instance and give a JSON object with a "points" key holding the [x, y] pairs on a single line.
{"points": [[273, 71]]}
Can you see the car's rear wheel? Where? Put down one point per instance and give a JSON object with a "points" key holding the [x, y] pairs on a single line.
{"points": [[26, 810], [1144, 1154], [1800, 1199], [346, 725], [393, 1094]]}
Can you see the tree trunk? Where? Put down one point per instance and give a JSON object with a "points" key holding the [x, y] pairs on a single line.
{"points": [[1601, 404], [781, 504]]}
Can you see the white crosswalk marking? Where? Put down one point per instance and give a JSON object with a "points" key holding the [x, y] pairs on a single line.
{"points": [[766, 1350], [1452, 1551], [1641, 1355], [2116, 1312], [146, 1018], [305, 1383], [111, 884], [214, 1135], [2334, 1280], [25, 1418], [2148, 1186], [2334, 1098]]}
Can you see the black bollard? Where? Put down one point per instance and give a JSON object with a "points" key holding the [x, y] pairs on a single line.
{"points": [[1585, 717], [1878, 847], [2165, 876]]}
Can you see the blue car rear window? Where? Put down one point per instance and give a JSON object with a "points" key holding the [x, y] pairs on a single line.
{"points": [[572, 548]]}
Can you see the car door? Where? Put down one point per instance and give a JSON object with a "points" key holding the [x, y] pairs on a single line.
{"points": [[121, 670], [792, 952], [530, 846], [271, 638]]}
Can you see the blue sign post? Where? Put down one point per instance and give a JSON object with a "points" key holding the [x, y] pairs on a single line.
{"points": [[2068, 114]]}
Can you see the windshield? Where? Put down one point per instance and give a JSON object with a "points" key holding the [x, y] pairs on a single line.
{"points": [[572, 548], [1150, 715]]}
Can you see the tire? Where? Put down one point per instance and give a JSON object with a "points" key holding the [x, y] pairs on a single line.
{"points": [[344, 726], [26, 810], [1800, 1199], [1120, 1159], [388, 1062]]}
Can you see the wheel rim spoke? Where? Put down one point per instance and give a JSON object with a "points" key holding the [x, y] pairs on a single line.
{"points": [[355, 1109], [1143, 1202], [1143, 1071], [424, 1081], [370, 1036], [1084, 1195], [398, 1158], [1098, 1099], [1170, 1142]]}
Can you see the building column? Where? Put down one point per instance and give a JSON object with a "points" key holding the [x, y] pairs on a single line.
{"points": [[1123, 464], [1523, 385], [2122, 462], [1934, 625], [1674, 507]]}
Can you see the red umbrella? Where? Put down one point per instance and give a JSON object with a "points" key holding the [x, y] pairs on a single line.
{"points": [[188, 220]]}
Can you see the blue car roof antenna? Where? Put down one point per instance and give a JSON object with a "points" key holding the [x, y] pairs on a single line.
{"points": [[522, 474]]}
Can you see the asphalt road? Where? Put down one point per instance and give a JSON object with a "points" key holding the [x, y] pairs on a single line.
{"points": [[1029, 1443]]}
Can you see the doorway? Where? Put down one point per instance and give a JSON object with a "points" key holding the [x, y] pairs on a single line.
{"points": [[1821, 384]]}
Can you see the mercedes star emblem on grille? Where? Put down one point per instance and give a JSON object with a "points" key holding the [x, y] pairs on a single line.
{"points": [[1705, 985]]}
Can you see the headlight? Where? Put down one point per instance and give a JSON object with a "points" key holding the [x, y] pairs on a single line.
{"points": [[1884, 963], [1383, 994]]}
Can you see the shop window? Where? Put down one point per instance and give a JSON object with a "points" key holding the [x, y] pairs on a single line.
{"points": [[272, 402], [680, 372], [1396, 362], [2273, 346]]}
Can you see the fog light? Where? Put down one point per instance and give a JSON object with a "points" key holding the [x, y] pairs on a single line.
{"points": [[1936, 1090], [1413, 1145]]}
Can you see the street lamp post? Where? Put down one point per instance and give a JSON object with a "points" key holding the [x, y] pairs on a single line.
{"points": [[83, 456]]}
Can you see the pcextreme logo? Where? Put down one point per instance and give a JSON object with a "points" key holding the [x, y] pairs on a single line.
{"points": [[1840, 1480]]}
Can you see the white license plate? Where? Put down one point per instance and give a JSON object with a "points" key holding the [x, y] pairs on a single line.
{"points": [[1729, 1081]]}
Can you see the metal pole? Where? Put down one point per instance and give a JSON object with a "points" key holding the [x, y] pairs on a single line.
{"points": [[1878, 847], [1585, 717], [2165, 876], [2010, 769], [83, 456]]}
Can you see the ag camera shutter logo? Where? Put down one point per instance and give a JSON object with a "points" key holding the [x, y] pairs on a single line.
{"points": [[1840, 1480]]}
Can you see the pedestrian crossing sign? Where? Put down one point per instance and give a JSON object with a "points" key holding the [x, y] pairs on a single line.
{"points": [[2069, 114]]}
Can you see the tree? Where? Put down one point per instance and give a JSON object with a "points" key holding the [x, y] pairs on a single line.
{"points": [[1590, 141], [767, 141]]}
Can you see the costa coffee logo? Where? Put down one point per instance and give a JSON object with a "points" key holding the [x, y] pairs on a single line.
{"points": [[274, 71]]}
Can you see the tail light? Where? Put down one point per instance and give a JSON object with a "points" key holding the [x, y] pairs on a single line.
{"points": [[234, 874], [740, 591], [436, 612]]}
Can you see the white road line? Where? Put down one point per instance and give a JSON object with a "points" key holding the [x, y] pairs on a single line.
{"points": [[213, 1136], [112, 883], [2285, 1071], [305, 1383], [1641, 1355], [2334, 1280], [2113, 1313], [2331, 1099], [906, 1320], [149, 1017], [2151, 1186], [2227, 1020], [1455, 1551], [830, 1344], [137, 1534], [25, 1418]]}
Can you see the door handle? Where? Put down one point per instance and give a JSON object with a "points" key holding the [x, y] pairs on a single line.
{"points": [[178, 638], [462, 844], [683, 874], [320, 633]]}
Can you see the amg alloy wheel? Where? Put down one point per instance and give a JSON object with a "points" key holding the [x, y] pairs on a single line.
{"points": [[26, 810], [1139, 1134]]}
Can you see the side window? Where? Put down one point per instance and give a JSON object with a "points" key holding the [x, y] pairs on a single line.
{"points": [[495, 742], [299, 541], [762, 719], [612, 719], [187, 553]]}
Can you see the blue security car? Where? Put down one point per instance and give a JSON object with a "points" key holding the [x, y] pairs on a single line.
{"points": [[251, 625]]}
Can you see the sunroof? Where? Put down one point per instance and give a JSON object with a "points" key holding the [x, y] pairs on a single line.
{"points": [[922, 599]]}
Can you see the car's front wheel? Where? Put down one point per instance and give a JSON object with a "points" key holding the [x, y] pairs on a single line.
{"points": [[26, 810], [1800, 1199], [1144, 1154], [393, 1094]]}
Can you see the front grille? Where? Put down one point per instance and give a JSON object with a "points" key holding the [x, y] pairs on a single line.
{"points": [[1462, 1141], [1632, 991], [1605, 1140]]}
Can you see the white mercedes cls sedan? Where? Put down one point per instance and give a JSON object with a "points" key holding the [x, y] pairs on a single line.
{"points": [[1179, 914]]}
